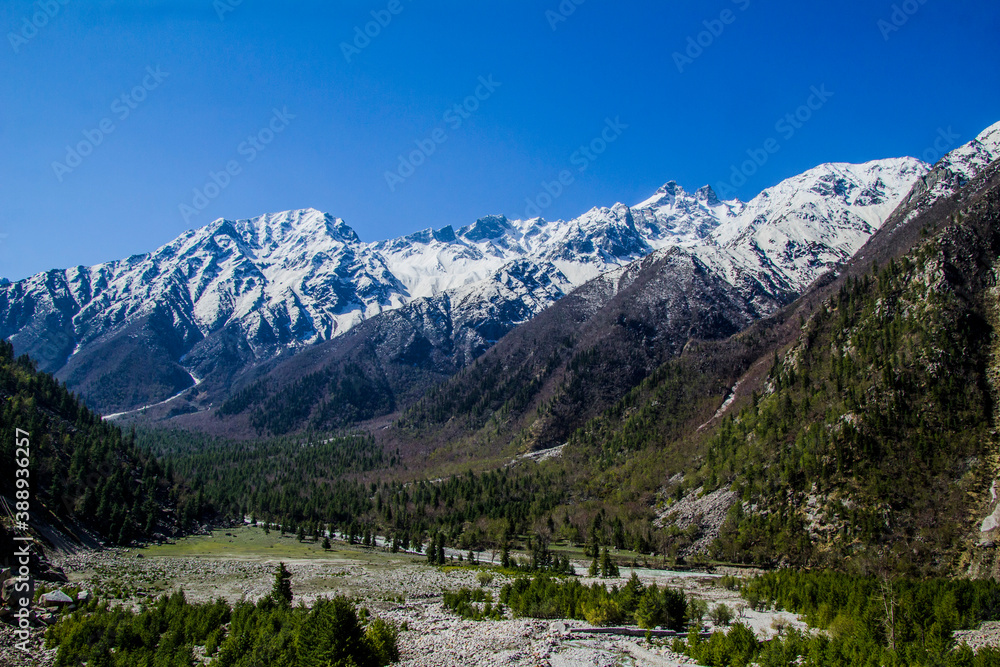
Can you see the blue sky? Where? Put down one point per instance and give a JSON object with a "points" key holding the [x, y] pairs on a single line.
{"points": [[266, 97]]}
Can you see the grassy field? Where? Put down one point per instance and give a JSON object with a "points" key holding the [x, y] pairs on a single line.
{"points": [[246, 543]]}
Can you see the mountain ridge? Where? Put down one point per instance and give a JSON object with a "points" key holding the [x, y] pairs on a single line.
{"points": [[234, 294], [762, 287]]}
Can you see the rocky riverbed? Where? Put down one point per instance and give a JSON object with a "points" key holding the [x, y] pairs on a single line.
{"points": [[401, 588]]}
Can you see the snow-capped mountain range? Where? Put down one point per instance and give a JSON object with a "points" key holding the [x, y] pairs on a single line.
{"points": [[248, 290]]}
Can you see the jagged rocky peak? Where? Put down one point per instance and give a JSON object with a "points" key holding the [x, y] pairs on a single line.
{"points": [[706, 194], [488, 227], [665, 195], [957, 167], [668, 192]]}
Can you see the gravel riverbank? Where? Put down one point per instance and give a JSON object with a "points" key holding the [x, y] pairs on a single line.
{"points": [[401, 588]]}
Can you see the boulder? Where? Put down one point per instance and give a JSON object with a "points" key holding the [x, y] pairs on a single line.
{"points": [[7, 590], [46, 618], [56, 599]]}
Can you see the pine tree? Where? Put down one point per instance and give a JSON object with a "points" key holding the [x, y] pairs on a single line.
{"points": [[440, 549], [282, 590], [326, 543], [608, 567]]}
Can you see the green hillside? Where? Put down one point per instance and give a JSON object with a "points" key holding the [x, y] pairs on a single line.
{"points": [[82, 470]]}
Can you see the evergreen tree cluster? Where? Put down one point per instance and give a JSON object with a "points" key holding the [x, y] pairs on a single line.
{"points": [[293, 478], [270, 632], [313, 483], [647, 606], [81, 467], [866, 620], [473, 604], [327, 399]]}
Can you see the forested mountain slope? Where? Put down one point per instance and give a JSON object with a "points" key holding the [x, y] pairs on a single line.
{"points": [[82, 471], [549, 376], [852, 428], [862, 424]]}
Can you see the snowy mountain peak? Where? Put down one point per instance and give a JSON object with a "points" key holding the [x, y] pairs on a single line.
{"points": [[706, 194], [968, 160], [990, 138], [791, 233], [307, 223], [239, 292], [488, 227], [665, 195]]}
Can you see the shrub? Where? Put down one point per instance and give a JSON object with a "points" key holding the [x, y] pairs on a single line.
{"points": [[603, 611], [381, 637], [721, 614]]}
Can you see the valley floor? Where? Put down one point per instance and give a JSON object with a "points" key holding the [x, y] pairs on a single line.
{"points": [[239, 564]]}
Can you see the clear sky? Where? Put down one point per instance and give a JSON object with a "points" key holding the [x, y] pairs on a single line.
{"points": [[115, 112]]}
